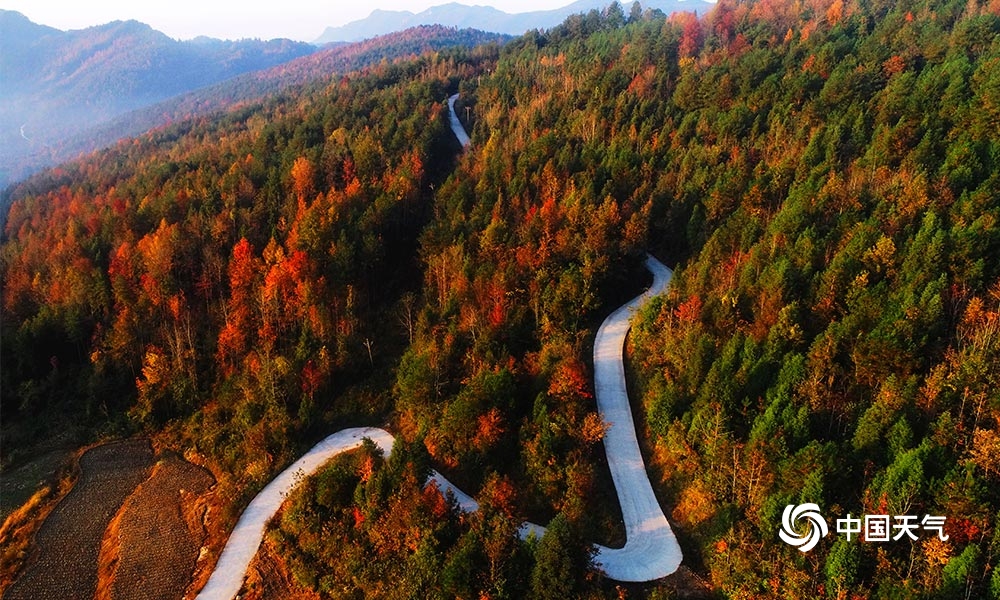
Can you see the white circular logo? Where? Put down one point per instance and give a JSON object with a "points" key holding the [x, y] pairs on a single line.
{"points": [[790, 535]]}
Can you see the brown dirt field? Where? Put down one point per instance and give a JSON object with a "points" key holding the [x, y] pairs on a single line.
{"points": [[150, 549], [268, 578], [683, 584], [63, 563]]}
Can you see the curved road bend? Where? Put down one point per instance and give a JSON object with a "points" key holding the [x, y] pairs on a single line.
{"points": [[651, 550]]}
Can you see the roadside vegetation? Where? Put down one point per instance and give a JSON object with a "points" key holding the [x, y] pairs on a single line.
{"points": [[823, 175]]}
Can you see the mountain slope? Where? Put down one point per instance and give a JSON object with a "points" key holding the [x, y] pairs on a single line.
{"points": [[487, 18], [323, 63], [57, 83], [20, 35], [824, 175]]}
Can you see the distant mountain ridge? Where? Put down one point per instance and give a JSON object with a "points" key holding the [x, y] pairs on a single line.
{"points": [[487, 18], [329, 61], [56, 83]]}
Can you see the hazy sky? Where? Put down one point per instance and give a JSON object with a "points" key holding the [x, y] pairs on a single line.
{"points": [[229, 19]]}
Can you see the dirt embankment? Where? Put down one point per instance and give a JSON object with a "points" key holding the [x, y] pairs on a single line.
{"points": [[150, 550], [269, 578], [63, 563]]}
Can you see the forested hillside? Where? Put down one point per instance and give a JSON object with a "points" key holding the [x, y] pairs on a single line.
{"points": [[833, 338], [823, 175], [78, 91], [256, 86]]}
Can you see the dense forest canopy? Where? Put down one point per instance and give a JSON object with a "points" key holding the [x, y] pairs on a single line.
{"points": [[824, 175]]}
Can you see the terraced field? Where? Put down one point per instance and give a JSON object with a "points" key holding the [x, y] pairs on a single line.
{"points": [[152, 545], [128, 530], [17, 485], [63, 565]]}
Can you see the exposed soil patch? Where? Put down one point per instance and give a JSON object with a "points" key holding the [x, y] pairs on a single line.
{"points": [[63, 564], [682, 584], [688, 585], [269, 578], [152, 545]]}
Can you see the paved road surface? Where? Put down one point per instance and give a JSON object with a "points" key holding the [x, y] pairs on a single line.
{"points": [[456, 125], [651, 551]]}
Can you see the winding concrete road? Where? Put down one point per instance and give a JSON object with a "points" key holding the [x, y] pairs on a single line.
{"points": [[651, 550], [456, 125], [227, 578]]}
